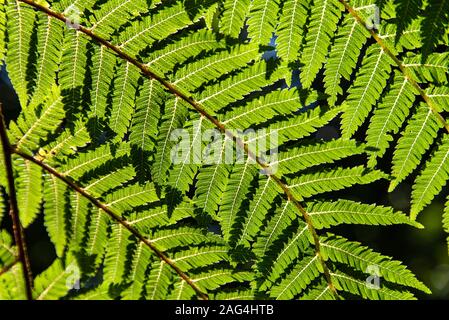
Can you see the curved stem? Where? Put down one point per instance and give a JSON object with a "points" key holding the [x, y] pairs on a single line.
{"points": [[149, 73], [19, 236]]}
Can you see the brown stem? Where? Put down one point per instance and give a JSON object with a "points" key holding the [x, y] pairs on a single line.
{"points": [[115, 217], [9, 266], [19, 236], [146, 71]]}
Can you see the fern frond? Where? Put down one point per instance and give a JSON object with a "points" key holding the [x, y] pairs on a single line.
{"points": [[235, 295], [234, 194], [141, 259], [160, 216], [164, 22], [357, 287], [186, 166], [212, 280], [97, 236], [234, 14], [87, 161], [282, 218], [324, 17], [2, 29], [66, 144], [174, 117], [434, 24], [341, 250], [144, 126], [298, 127], [257, 210], [417, 137], [193, 75], [12, 284], [132, 196], [100, 293], [176, 237], [434, 69], [52, 283], [102, 75], [72, 78], [307, 156], [251, 79], [135, 78], [343, 58], [112, 14], [50, 40], [291, 250], [200, 257], [298, 279], [124, 99], [115, 258], [99, 185], [177, 53], [7, 251], [389, 116], [311, 184], [55, 212], [328, 214], [80, 210], [367, 88], [35, 126], [20, 20], [212, 182], [158, 282], [29, 190], [275, 103], [431, 179], [289, 30], [440, 97], [318, 292], [262, 19]]}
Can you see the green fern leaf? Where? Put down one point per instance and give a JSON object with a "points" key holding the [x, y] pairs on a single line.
{"points": [[292, 18], [115, 258], [357, 287], [52, 283], [55, 212], [234, 14], [20, 21], [299, 278], [343, 58], [416, 138], [323, 23], [431, 180], [327, 214], [389, 116], [262, 18], [310, 184], [307, 156], [29, 190], [367, 88], [351, 253]]}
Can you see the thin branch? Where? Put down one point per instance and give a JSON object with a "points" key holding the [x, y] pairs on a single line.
{"points": [[19, 235], [398, 62], [147, 72], [115, 217], [9, 266]]}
